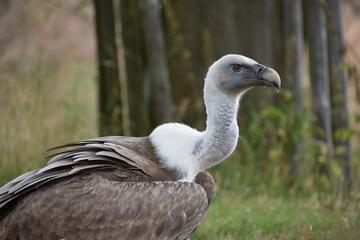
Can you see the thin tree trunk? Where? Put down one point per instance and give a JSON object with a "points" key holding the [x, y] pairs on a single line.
{"points": [[338, 84], [160, 95], [294, 75], [109, 87], [318, 53], [122, 71], [132, 35], [185, 42]]}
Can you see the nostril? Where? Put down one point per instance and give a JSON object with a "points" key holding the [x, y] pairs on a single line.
{"points": [[259, 69]]}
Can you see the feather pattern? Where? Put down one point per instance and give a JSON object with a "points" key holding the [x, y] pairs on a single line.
{"points": [[131, 156], [124, 210], [117, 183]]}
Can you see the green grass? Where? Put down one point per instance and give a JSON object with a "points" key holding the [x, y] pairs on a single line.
{"points": [[251, 205], [234, 216]]}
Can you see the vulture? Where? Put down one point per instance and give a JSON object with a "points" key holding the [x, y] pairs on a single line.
{"points": [[152, 187]]}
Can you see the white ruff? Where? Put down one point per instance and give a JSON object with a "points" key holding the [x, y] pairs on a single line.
{"points": [[175, 144]]}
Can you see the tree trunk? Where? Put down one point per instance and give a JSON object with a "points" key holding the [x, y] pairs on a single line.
{"points": [[109, 87], [132, 35], [157, 69], [185, 41], [294, 79], [339, 98], [122, 71], [319, 74]]}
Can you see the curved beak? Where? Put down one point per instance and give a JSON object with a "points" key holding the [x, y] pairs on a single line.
{"points": [[270, 78], [259, 75]]}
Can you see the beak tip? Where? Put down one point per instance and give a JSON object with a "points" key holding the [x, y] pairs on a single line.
{"points": [[273, 77]]}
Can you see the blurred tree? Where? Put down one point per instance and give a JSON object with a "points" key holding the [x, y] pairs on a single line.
{"points": [[150, 97], [156, 64], [319, 74], [294, 75], [339, 98], [184, 34], [109, 87], [122, 71], [134, 49]]}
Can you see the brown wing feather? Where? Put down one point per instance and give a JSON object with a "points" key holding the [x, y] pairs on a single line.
{"points": [[133, 159], [207, 182], [92, 206]]}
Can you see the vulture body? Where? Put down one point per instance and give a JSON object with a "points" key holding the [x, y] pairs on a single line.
{"points": [[153, 187]]}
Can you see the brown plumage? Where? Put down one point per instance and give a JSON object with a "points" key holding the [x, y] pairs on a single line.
{"points": [[93, 182]]}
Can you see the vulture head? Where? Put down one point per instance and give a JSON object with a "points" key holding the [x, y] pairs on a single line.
{"points": [[232, 75]]}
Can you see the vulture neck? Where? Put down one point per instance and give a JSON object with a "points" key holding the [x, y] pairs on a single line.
{"points": [[189, 151], [222, 132]]}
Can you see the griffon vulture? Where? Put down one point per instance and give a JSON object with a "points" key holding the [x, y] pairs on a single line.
{"points": [[153, 187]]}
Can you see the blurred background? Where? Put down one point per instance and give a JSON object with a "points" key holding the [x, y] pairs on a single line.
{"points": [[71, 70]]}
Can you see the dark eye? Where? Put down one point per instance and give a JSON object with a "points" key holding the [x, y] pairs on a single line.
{"points": [[236, 68]]}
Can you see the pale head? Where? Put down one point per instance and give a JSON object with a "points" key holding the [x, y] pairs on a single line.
{"points": [[233, 74]]}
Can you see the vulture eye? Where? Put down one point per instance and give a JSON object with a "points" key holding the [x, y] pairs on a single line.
{"points": [[236, 68]]}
